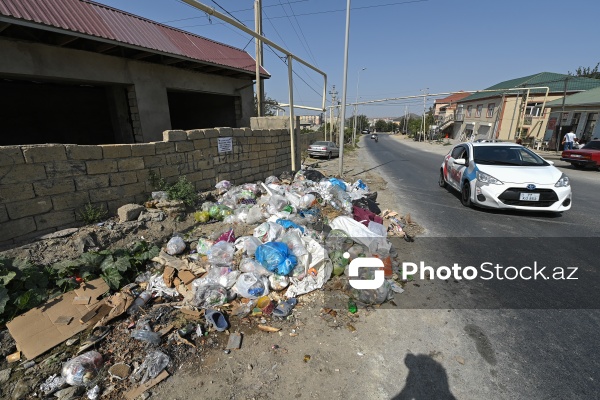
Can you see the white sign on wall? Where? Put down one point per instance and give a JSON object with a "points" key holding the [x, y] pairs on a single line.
{"points": [[225, 145]]}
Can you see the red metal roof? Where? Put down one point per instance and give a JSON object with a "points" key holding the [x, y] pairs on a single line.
{"points": [[453, 98], [99, 20]]}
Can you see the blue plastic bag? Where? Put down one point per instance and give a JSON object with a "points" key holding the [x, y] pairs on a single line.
{"points": [[286, 223], [276, 257], [339, 183]]}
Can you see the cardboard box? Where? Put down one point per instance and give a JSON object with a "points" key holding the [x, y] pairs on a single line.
{"points": [[36, 331]]}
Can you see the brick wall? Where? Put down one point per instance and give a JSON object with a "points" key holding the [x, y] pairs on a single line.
{"points": [[43, 187]]}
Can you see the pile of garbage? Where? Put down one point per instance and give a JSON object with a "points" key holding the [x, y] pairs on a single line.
{"points": [[298, 232]]}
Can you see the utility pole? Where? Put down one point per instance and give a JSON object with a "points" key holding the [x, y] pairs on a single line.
{"points": [[424, 101], [333, 94], [356, 108], [260, 85], [405, 116], [344, 85], [562, 112]]}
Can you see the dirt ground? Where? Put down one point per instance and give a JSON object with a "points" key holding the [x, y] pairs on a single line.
{"points": [[301, 360]]}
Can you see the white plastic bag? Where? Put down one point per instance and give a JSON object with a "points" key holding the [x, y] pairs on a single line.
{"points": [[176, 245], [221, 253], [251, 286]]}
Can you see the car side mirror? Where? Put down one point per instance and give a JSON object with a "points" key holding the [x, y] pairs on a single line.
{"points": [[460, 161]]}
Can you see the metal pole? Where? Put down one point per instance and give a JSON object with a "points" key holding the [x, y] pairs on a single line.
{"points": [[259, 58], [562, 108], [342, 126], [292, 124], [356, 107], [325, 122]]}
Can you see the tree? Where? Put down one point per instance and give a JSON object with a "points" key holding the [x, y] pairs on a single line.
{"points": [[269, 105], [587, 72], [380, 125], [362, 122]]}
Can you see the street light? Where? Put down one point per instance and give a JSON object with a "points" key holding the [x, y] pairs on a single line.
{"points": [[356, 107]]}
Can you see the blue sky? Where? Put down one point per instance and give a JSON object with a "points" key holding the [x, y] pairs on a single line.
{"points": [[406, 46]]}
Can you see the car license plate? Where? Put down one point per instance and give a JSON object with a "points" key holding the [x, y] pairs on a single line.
{"points": [[529, 196]]}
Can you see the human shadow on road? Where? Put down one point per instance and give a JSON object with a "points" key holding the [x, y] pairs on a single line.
{"points": [[426, 380]]}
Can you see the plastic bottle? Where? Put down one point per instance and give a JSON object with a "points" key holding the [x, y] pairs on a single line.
{"points": [[352, 306], [142, 299]]}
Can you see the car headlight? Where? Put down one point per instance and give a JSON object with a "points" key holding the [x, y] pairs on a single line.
{"points": [[563, 181], [486, 179]]}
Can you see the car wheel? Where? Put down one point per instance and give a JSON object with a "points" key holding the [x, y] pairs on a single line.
{"points": [[577, 166], [465, 194], [329, 156], [441, 181]]}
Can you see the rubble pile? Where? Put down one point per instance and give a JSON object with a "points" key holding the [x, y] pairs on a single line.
{"points": [[254, 253]]}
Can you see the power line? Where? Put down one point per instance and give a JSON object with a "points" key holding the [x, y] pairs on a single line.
{"points": [[335, 11], [300, 28]]}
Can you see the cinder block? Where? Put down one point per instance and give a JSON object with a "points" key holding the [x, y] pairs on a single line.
{"points": [[208, 174], [154, 161], [44, 153], [252, 140], [247, 132], [237, 132], [3, 213], [195, 176], [101, 166], [130, 191], [13, 229], [25, 208], [169, 171], [131, 164], [54, 186], [182, 147], [91, 182], [211, 133], [70, 201], [143, 149], [164, 147], [123, 178], [77, 152], [105, 194], [11, 155], [54, 219], [201, 144], [271, 153], [16, 192], [195, 134], [22, 173], [61, 169], [116, 150], [174, 136]]}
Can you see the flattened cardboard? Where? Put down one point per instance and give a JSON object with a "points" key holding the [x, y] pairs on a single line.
{"points": [[134, 393], [186, 276], [35, 331], [82, 300]]}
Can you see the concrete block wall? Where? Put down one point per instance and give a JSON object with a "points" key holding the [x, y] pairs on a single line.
{"points": [[44, 187]]}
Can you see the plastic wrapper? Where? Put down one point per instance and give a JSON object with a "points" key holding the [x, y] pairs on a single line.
{"points": [[276, 189], [207, 205], [209, 295], [377, 228], [278, 202], [241, 213], [254, 215], [221, 254], [175, 245], [203, 246], [81, 370], [319, 260], [219, 212], [339, 183], [202, 216], [268, 232], [223, 186], [287, 224], [272, 179], [52, 384], [294, 243], [278, 282], [146, 336], [371, 296], [340, 199], [227, 236], [251, 265], [307, 201], [251, 285], [293, 199], [223, 276], [157, 285], [248, 244], [359, 233], [153, 365], [276, 257]]}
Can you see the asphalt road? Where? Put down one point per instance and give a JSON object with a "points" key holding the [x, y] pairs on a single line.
{"points": [[537, 338]]}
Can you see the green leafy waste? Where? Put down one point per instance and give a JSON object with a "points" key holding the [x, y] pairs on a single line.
{"points": [[24, 285]]}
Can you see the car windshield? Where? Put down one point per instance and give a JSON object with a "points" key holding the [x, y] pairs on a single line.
{"points": [[507, 155], [319, 144], [595, 145]]}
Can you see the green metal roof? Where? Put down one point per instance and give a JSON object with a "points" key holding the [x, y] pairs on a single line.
{"points": [[588, 98], [556, 83]]}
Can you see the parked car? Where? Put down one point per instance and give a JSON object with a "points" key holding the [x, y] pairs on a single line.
{"points": [[323, 149], [587, 156], [505, 175]]}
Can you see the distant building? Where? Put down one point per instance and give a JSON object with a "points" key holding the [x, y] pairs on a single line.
{"points": [[444, 110], [515, 109], [308, 121], [76, 71], [580, 114]]}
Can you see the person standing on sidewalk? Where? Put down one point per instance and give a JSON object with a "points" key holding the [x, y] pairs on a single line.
{"points": [[568, 140]]}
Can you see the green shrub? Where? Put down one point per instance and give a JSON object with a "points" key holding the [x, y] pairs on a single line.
{"points": [[91, 214], [181, 190]]}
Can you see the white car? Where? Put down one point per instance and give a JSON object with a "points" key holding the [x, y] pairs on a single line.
{"points": [[505, 175]]}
